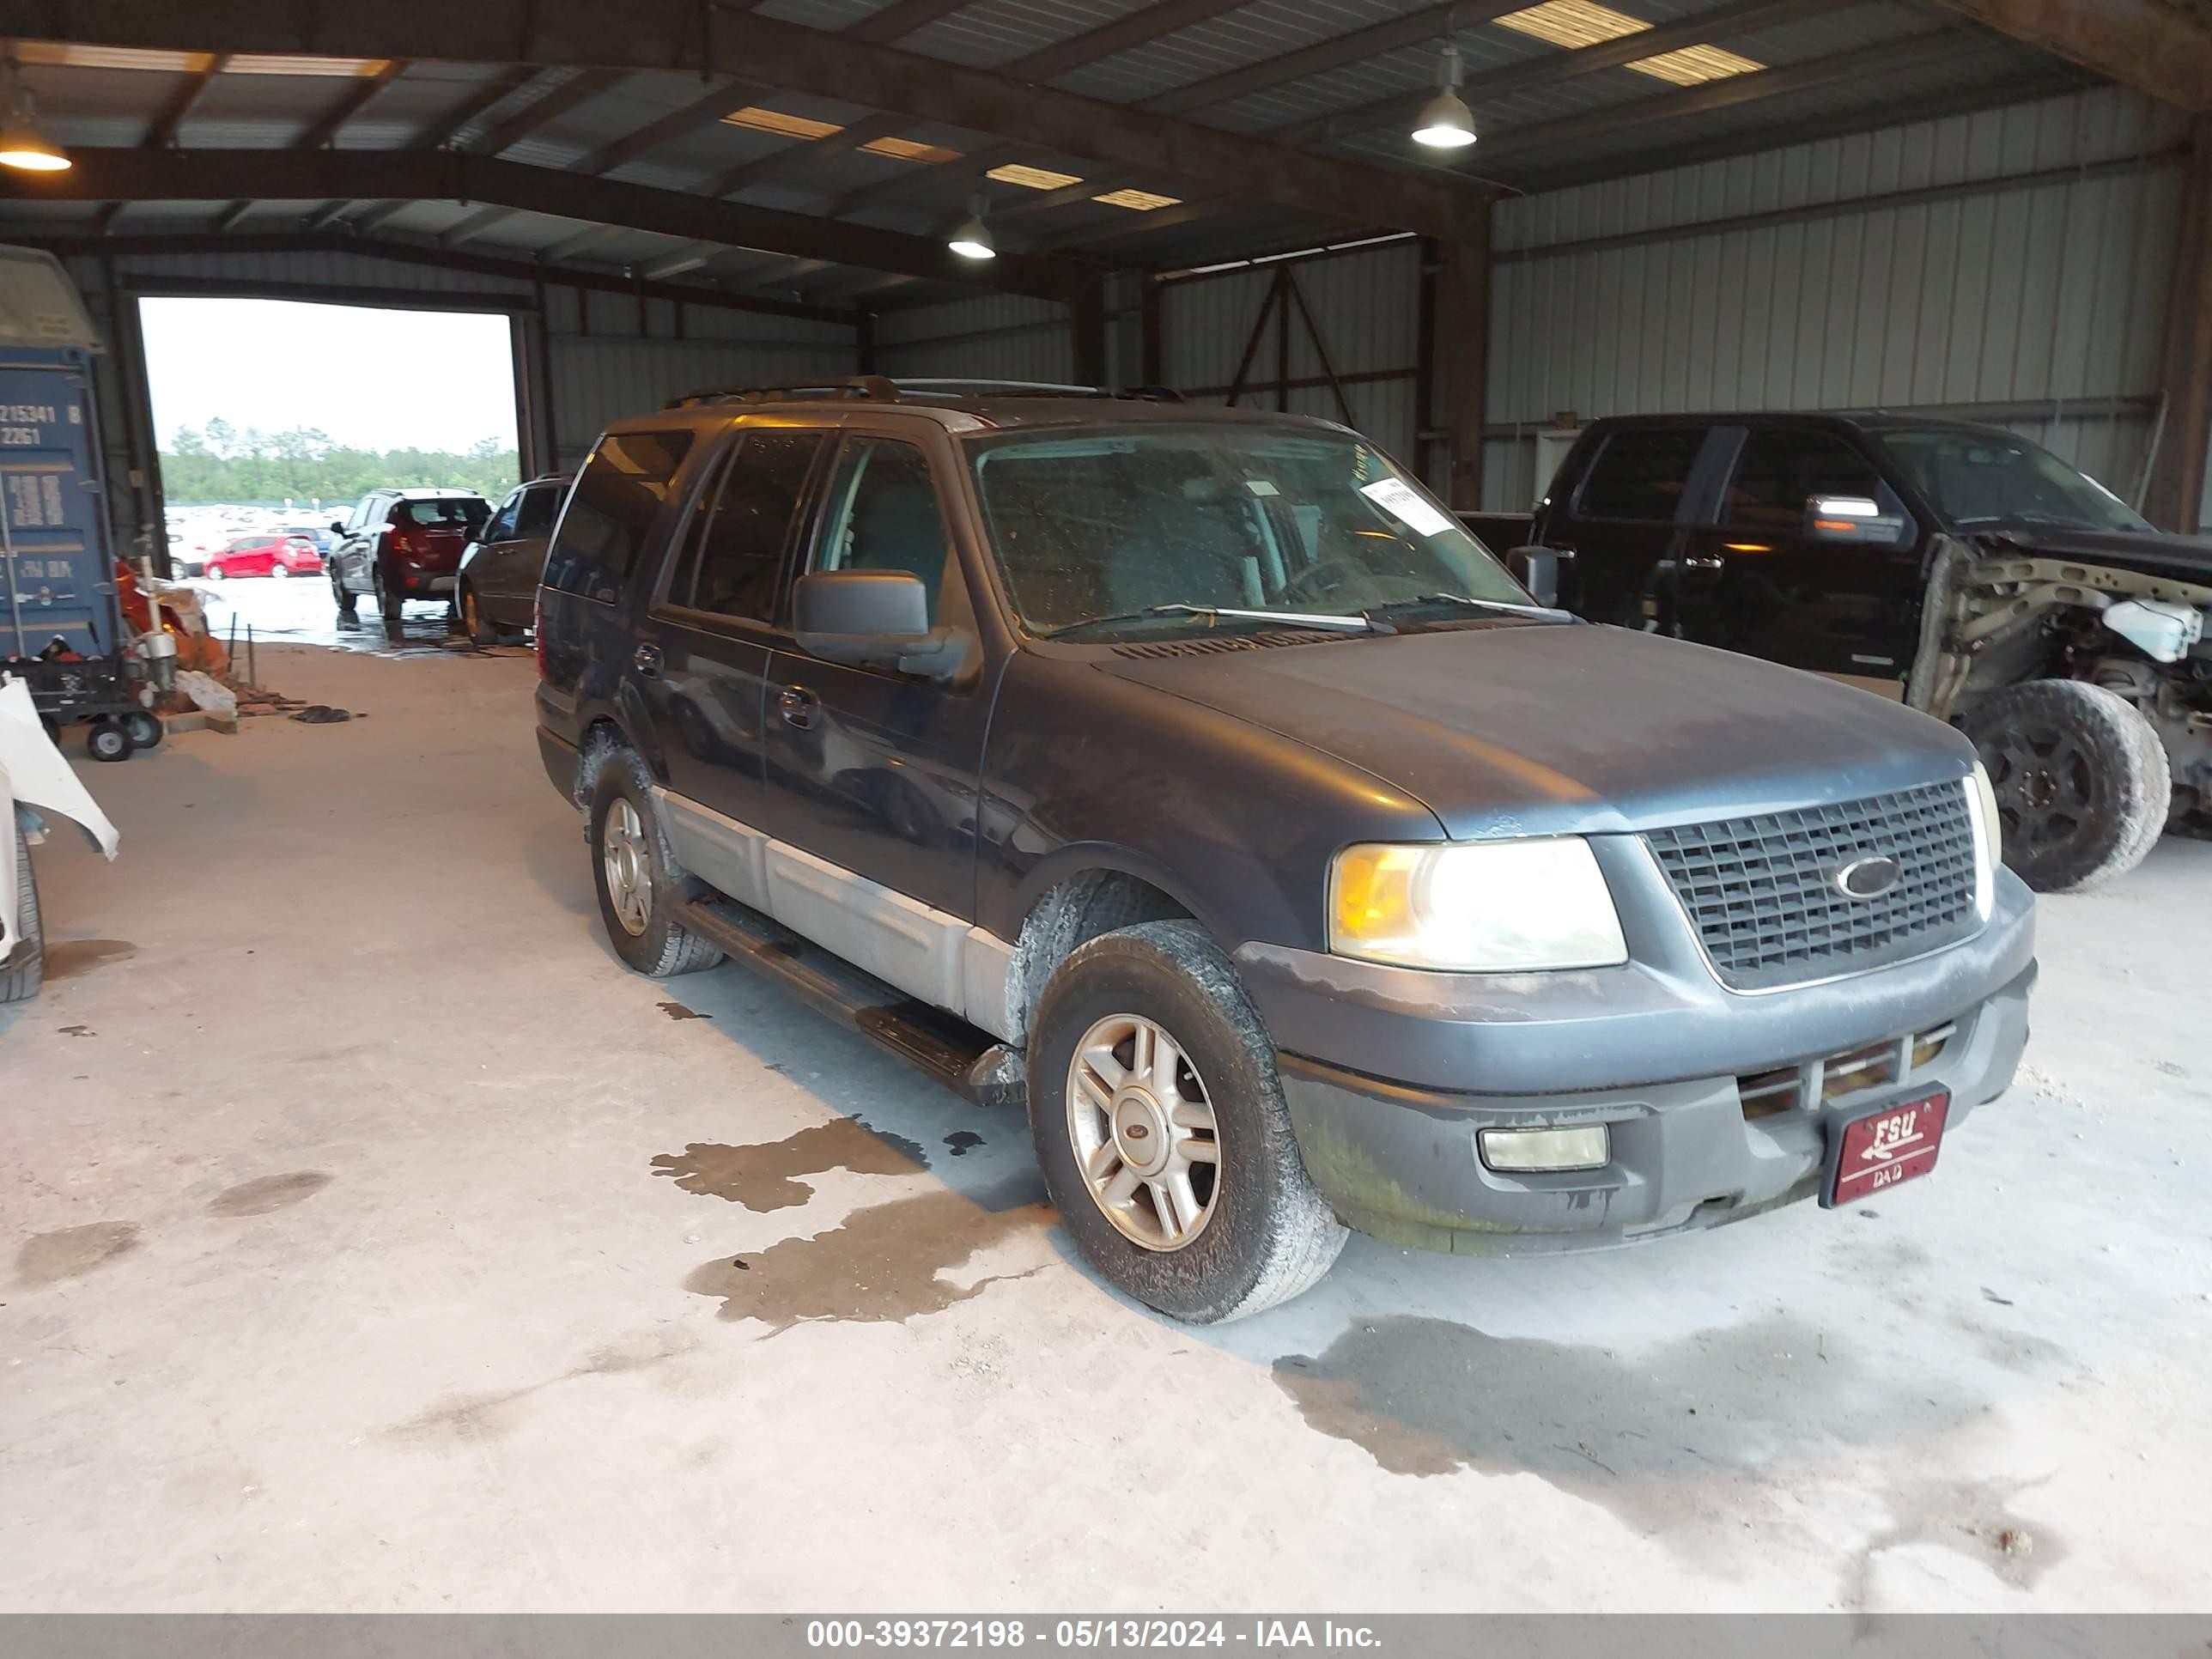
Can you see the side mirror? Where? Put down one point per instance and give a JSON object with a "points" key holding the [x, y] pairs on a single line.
{"points": [[338, 527], [874, 619], [1851, 519], [1537, 569]]}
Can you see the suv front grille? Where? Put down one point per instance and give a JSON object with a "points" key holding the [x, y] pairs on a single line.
{"points": [[1763, 895]]}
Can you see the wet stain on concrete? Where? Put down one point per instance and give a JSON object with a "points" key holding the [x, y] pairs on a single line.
{"points": [[465, 1420], [960, 1141], [267, 1193], [1690, 1443], [677, 1010], [883, 1264], [764, 1178], [71, 1252], [67, 958], [1974, 1517]]}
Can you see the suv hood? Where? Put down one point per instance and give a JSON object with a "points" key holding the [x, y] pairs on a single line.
{"points": [[1555, 729], [2152, 553]]}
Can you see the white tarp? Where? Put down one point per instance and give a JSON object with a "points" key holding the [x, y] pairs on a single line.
{"points": [[33, 773]]}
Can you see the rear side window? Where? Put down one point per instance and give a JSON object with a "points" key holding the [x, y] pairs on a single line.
{"points": [[1779, 469], [733, 566], [1642, 474], [611, 513]]}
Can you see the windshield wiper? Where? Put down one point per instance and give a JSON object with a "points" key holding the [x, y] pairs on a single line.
{"points": [[1296, 618], [1548, 613]]}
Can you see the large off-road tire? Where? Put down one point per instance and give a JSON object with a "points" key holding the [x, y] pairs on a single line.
{"points": [[1161, 1129], [634, 873], [20, 982], [2082, 783]]}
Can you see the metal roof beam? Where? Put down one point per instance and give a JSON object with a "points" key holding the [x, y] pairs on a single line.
{"points": [[2159, 48], [163, 130], [278, 175], [350, 103], [666, 34]]}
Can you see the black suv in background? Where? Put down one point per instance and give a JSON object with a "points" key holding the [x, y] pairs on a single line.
{"points": [[500, 567], [1190, 775], [1961, 567]]}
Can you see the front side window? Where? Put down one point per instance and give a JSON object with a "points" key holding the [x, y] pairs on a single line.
{"points": [[501, 526], [1989, 478], [884, 514], [1642, 473], [734, 565], [1108, 524], [618, 500], [540, 505]]}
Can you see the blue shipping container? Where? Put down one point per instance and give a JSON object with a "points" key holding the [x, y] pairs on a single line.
{"points": [[60, 572]]}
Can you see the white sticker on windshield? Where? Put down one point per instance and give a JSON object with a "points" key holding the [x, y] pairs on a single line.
{"points": [[1260, 487], [1397, 497]]}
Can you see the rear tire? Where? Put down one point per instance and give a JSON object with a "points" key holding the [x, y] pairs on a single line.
{"points": [[2083, 782], [20, 982], [1263, 1233], [639, 913], [143, 730], [279, 571]]}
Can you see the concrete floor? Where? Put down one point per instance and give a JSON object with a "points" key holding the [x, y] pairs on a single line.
{"points": [[380, 1243]]}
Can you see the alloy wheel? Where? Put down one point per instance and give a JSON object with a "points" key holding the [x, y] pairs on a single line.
{"points": [[1144, 1133], [628, 875]]}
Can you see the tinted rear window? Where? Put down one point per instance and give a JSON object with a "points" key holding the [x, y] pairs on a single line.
{"points": [[448, 513], [1642, 474], [612, 510]]}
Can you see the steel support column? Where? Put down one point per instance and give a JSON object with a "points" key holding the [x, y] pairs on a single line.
{"points": [[1462, 371], [2175, 500]]}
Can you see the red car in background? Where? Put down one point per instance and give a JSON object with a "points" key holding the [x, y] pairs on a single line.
{"points": [[272, 554]]}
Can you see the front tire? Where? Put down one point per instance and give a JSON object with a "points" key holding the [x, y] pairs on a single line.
{"points": [[215, 572], [107, 741], [633, 874], [2083, 782], [20, 982], [1162, 1130], [472, 623], [143, 730]]}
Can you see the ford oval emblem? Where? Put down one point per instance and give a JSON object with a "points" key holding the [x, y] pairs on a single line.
{"points": [[1868, 878]]}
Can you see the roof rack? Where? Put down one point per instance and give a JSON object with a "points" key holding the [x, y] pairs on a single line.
{"points": [[882, 389]]}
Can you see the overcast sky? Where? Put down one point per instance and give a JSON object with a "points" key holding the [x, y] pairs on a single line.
{"points": [[372, 380]]}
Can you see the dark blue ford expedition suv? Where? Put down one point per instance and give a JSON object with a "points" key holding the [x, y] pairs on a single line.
{"points": [[1191, 775]]}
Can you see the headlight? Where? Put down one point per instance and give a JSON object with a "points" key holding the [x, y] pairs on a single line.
{"points": [[1497, 907], [1989, 840]]}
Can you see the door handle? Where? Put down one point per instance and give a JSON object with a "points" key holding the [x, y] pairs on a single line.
{"points": [[797, 705], [647, 659], [1704, 562]]}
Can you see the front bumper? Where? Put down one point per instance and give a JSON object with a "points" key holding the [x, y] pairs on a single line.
{"points": [[1391, 1075]]}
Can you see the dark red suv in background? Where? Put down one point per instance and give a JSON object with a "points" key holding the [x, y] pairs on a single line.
{"points": [[402, 544]]}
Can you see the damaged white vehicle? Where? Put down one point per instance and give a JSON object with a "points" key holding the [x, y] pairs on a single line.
{"points": [[36, 784]]}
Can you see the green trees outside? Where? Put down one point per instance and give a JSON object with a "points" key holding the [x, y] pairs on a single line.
{"points": [[230, 465]]}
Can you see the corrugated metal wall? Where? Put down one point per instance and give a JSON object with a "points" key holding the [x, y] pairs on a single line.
{"points": [[1364, 304], [613, 355], [997, 337], [2034, 297]]}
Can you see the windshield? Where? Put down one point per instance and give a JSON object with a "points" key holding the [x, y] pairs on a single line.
{"points": [[1976, 477], [1110, 523]]}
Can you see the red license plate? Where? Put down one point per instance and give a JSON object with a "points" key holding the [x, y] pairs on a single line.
{"points": [[1879, 1149]]}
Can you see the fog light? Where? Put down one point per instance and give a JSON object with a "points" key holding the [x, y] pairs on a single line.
{"points": [[1546, 1149]]}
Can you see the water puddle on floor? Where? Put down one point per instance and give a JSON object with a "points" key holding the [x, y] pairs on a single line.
{"points": [[765, 1176], [67, 958], [885, 1263], [71, 1252], [267, 1193]]}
